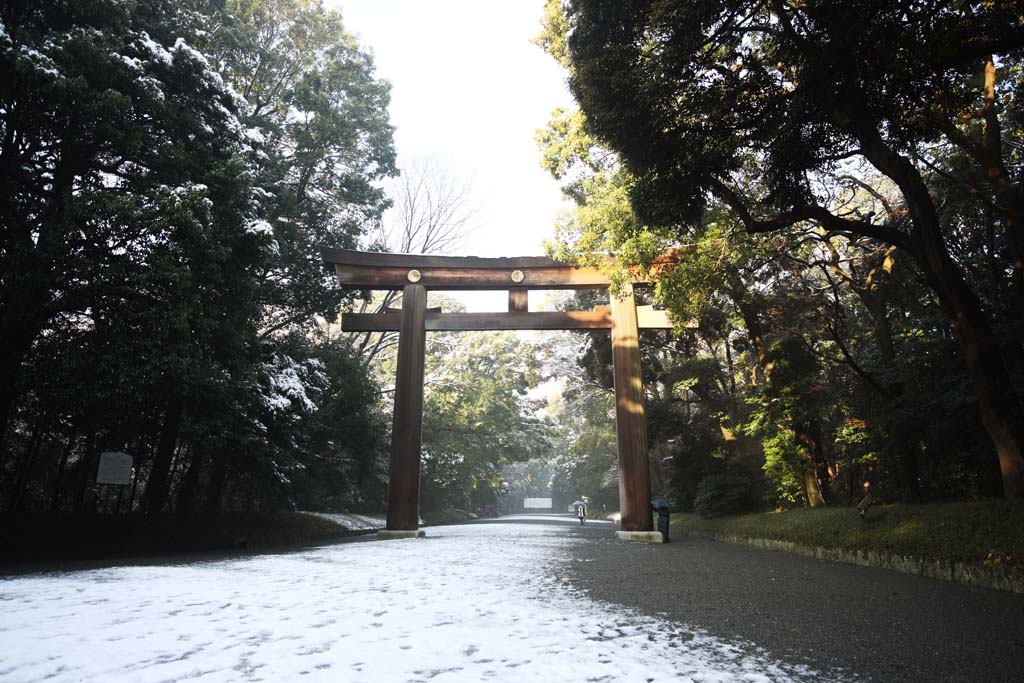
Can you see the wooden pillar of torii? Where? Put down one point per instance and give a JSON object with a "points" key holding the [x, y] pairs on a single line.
{"points": [[416, 274]]}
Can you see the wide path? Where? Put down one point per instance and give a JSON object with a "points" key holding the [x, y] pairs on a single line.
{"points": [[469, 603], [524, 599], [880, 625]]}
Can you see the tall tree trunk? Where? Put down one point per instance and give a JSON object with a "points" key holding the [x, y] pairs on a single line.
{"points": [[7, 396], [86, 465], [732, 372], [218, 480], [881, 329], [907, 455], [14, 344], [755, 329], [188, 485], [996, 403], [135, 480], [815, 475], [156, 487], [31, 275], [57, 480], [811, 489], [17, 500], [995, 276]]}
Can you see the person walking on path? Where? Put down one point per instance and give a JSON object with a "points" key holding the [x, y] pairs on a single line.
{"points": [[581, 509]]}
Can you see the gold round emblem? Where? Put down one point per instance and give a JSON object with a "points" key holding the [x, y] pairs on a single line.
{"points": [[517, 276], [414, 275]]}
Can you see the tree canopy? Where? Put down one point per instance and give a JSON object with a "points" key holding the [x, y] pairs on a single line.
{"points": [[172, 169], [871, 145]]}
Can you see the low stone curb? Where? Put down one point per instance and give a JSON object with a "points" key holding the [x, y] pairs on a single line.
{"points": [[948, 570]]}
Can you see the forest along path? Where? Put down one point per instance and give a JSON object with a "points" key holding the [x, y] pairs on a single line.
{"points": [[877, 624], [476, 602]]}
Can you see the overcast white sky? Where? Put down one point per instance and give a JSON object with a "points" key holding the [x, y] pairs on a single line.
{"points": [[469, 88]]}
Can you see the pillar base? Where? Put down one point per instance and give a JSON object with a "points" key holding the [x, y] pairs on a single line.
{"points": [[641, 536], [395, 534]]}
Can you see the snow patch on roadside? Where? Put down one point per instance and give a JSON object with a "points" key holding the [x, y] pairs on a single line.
{"points": [[352, 521]]}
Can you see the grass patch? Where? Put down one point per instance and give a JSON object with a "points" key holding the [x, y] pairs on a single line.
{"points": [[987, 532], [49, 538]]}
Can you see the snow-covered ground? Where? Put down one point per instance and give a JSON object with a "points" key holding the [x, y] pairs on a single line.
{"points": [[352, 521], [469, 603]]}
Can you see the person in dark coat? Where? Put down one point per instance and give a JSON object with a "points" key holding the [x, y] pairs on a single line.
{"points": [[663, 521]]}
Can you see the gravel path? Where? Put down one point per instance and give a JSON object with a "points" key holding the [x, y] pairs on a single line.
{"points": [[879, 624]]}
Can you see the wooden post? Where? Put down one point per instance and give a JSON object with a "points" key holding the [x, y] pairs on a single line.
{"points": [[518, 299], [630, 426], [407, 425]]}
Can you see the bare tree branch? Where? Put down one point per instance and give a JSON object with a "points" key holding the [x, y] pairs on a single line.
{"points": [[809, 212]]}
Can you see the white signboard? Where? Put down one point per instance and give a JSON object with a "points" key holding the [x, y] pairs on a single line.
{"points": [[536, 503], [115, 468]]}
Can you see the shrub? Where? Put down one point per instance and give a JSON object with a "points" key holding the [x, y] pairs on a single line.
{"points": [[722, 494]]}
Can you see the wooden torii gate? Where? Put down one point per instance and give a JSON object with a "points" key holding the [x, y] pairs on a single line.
{"points": [[416, 274]]}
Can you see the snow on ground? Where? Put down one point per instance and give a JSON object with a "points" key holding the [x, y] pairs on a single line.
{"points": [[469, 603], [352, 521]]}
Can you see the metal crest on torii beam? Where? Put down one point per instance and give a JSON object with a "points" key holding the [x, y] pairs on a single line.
{"points": [[416, 274]]}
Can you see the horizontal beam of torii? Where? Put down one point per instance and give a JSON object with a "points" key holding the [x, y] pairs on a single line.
{"points": [[416, 274], [598, 319], [372, 270]]}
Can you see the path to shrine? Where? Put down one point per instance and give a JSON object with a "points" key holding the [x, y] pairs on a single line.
{"points": [[521, 599]]}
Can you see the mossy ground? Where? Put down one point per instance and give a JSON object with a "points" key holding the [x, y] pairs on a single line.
{"points": [[987, 532]]}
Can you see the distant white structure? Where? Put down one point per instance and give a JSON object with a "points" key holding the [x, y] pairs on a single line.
{"points": [[537, 504]]}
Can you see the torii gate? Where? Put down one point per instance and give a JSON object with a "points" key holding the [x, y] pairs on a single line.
{"points": [[416, 274]]}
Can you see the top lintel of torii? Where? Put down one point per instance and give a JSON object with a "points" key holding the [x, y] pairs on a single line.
{"points": [[375, 270]]}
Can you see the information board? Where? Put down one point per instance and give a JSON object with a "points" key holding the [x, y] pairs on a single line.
{"points": [[536, 503], [115, 469]]}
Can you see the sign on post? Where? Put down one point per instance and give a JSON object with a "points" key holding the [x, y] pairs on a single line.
{"points": [[115, 469]]}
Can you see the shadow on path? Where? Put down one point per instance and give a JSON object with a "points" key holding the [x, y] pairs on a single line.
{"points": [[881, 624]]}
